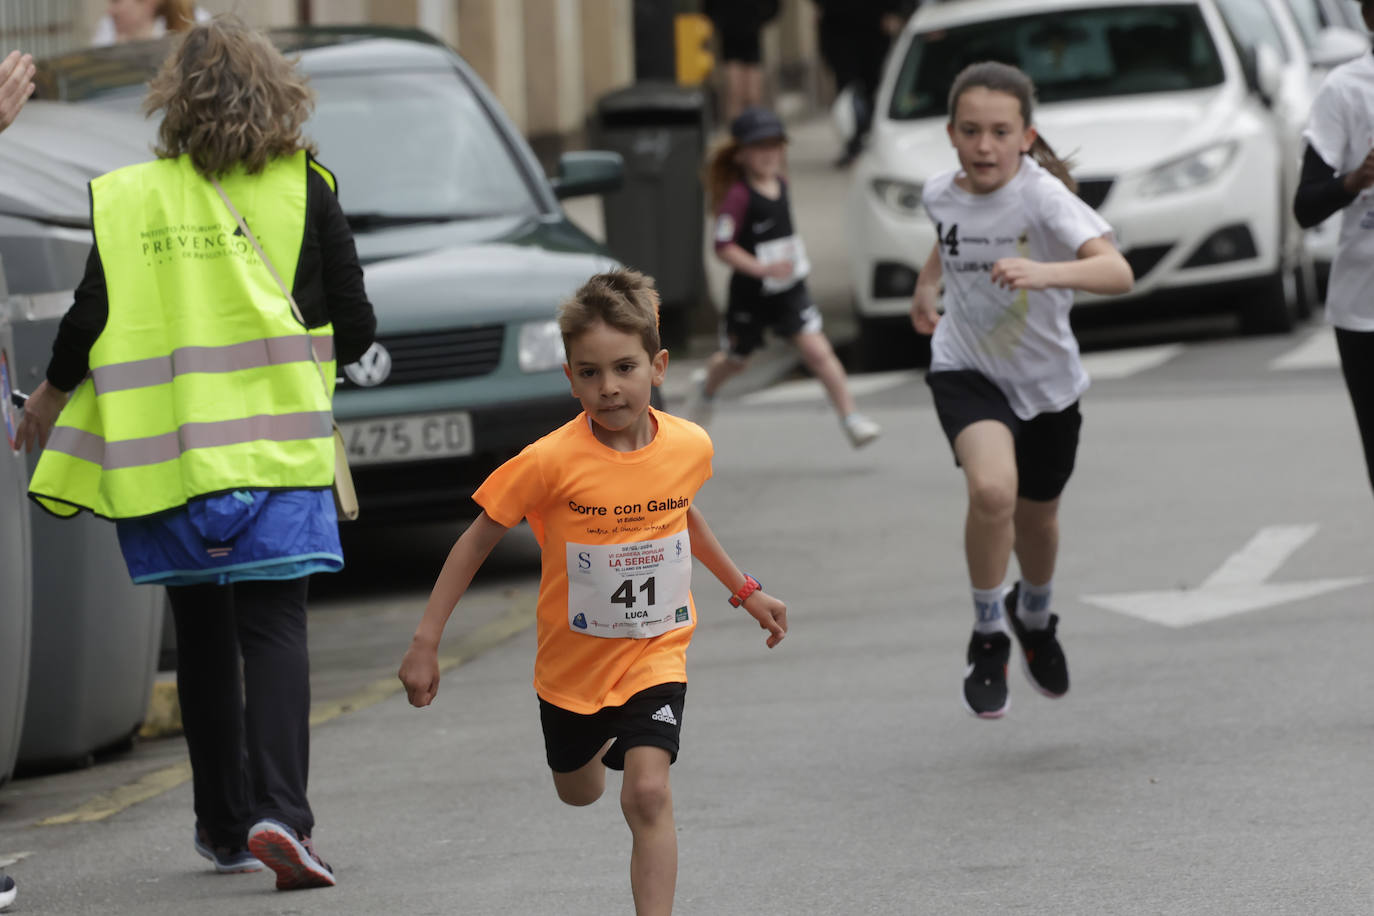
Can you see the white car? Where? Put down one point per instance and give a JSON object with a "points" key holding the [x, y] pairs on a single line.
{"points": [[1181, 123]]}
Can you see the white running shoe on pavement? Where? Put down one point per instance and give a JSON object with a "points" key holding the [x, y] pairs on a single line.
{"points": [[860, 429], [7, 890]]}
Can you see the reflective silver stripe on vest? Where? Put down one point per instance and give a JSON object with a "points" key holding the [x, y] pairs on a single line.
{"points": [[132, 453], [251, 354]]}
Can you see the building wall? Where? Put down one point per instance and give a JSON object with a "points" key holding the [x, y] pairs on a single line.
{"points": [[547, 61]]}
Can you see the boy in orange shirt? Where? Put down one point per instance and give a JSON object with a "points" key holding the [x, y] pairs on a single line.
{"points": [[609, 497]]}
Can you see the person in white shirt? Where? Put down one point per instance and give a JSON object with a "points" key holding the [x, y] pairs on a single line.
{"points": [[1338, 175], [1013, 243]]}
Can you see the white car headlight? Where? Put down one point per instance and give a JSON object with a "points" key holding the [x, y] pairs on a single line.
{"points": [[902, 197], [541, 346], [1188, 172]]}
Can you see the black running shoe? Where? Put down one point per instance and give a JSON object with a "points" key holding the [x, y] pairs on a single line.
{"points": [[985, 682], [1042, 658]]}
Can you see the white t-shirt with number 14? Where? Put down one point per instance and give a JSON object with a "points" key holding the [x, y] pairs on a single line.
{"points": [[1341, 130], [1019, 339]]}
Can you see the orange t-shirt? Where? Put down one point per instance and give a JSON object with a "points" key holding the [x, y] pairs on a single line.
{"points": [[573, 489]]}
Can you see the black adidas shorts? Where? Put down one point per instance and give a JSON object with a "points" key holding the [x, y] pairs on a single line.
{"points": [[652, 717], [1046, 445]]}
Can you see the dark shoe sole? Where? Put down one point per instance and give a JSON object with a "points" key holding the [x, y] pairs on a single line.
{"points": [[296, 869]]}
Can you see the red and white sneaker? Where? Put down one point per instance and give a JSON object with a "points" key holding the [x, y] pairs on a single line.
{"points": [[290, 855]]}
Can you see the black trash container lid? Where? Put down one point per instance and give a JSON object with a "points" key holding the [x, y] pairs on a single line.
{"points": [[652, 103]]}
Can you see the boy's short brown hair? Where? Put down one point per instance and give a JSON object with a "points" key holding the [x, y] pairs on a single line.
{"points": [[622, 299]]}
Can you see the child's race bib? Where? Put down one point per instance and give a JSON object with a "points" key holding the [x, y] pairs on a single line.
{"points": [[630, 591], [790, 248]]}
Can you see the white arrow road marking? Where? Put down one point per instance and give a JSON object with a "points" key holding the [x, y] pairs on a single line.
{"points": [[811, 389], [1236, 587], [1318, 351], [1115, 364]]}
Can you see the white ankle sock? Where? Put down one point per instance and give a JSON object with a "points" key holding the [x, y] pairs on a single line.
{"points": [[1033, 604], [987, 611]]}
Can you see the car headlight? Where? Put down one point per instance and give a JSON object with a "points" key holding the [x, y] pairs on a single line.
{"points": [[902, 197], [1189, 171], [541, 346]]}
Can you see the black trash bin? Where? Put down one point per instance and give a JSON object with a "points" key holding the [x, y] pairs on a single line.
{"points": [[15, 578], [654, 222], [96, 635]]}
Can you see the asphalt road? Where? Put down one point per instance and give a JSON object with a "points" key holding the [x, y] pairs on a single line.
{"points": [[1195, 767]]}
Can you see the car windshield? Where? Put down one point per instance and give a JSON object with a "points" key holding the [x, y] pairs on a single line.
{"points": [[406, 146], [1308, 17], [414, 144], [1070, 54]]}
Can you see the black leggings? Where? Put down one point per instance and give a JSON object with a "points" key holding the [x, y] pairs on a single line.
{"points": [[248, 735], [1357, 365]]}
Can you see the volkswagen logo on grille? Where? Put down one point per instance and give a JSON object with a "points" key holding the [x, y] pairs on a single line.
{"points": [[371, 369]]}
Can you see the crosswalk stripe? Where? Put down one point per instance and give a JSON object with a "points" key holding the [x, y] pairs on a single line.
{"points": [[1118, 364], [1317, 351], [811, 389]]}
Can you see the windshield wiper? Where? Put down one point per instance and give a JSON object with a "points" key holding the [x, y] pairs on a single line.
{"points": [[365, 221]]}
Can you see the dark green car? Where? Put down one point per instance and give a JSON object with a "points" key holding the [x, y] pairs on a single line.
{"points": [[465, 247]]}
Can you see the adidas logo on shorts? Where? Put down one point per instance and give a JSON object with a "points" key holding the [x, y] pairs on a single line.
{"points": [[665, 715]]}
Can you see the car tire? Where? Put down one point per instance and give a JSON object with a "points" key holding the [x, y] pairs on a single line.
{"points": [[890, 343], [1265, 306]]}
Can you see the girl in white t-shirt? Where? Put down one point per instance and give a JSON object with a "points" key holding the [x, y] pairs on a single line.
{"points": [[1013, 243], [1338, 175]]}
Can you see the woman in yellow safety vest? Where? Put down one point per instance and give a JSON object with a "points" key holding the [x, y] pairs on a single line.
{"points": [[199, 418]]}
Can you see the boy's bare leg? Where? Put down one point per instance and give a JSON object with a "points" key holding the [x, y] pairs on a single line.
{"points": [[820, 358], [647, 800], [1037, 539], [585, 784], [987, 453]]}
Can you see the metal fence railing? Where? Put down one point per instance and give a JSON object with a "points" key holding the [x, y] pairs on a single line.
{"points": [[40, 27]]}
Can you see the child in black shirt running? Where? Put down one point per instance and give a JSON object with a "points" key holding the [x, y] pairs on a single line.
{"points": [[754, 235]]}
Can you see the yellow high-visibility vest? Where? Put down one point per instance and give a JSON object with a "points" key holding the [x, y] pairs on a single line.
{"points": [[202, 380]]}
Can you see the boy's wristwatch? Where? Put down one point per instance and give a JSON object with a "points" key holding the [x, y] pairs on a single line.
{"points": [[750, 586]]}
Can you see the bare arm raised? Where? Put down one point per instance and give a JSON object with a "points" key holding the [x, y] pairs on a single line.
{"points": [[1100, 268], [16, 85]]}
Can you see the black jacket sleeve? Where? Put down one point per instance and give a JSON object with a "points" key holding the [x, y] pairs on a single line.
{"points": [[328, 287], [80, 327], [344, 298], [1321, 191]]}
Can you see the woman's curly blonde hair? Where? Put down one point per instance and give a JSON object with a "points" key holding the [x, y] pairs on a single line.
{"points": [[230, 99]]}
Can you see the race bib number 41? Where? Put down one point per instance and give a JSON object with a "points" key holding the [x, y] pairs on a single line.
{"points": [[630, 591]]}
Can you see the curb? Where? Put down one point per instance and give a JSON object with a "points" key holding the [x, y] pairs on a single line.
{"points": [[163, 718]]}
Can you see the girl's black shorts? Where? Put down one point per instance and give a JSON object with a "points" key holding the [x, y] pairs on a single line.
{"points": [[786, 314], [652, 717], [1046, 444]]}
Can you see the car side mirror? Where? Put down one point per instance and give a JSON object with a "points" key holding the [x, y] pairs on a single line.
{"points": [[1337, 45], [588, 172], [1263, 72]]}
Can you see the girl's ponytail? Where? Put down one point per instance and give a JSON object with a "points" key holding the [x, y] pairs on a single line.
{"points": [[721, 172], [1000, 77], [1041, 152]]}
